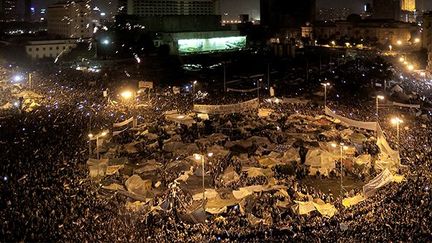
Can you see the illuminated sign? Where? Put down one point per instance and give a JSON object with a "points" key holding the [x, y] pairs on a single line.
{"points": [[187, 46]]}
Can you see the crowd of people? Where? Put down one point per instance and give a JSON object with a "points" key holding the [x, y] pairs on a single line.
{"points": [[47, 194]]}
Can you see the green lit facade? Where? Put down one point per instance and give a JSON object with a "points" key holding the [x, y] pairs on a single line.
{"points": [[203, 45]]}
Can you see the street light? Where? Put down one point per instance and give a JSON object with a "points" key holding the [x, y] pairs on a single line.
{"points": [[417, 40], [96, 137], [378, 97], [127, 94], [397, 121], [200, 157], [399, 42], [390, 47], [106, 41], [410, 67], [342, 148], [325, 93], [90, 139], [18, 78], [401, 59]]}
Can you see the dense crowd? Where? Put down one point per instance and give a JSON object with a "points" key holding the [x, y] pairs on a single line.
{"points": [[48, 196]]}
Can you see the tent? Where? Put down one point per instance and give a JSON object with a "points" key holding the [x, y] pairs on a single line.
{"points": [[302, 208], [209, 194], [136, 185], [97, 167], [320, 160], [181, 119], [229, 176], [29, 95]]}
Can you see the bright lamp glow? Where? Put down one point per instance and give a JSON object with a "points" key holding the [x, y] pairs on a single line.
{"points": [[396, 121], [417, 40], [380, 97], [401, 59], [18, 78], [197, 156], [105, 42], [410, 67], [127, 94], [399, 42]]}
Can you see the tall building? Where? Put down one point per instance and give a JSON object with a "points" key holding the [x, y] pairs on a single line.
{"points": [[279, 14], [8, 10], [27, 10], [386, 9], [170, 7], [408, 5], [333, 14], [70, 20], [427, 37]]}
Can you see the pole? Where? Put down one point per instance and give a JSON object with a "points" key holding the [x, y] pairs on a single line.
{"points": [[258, 89], [341, 175], [203, 186], [90, 149], [30, 80], [397, 134], [268, 75], [325, 96], [377, 116], [224, 77], [97, 146]]}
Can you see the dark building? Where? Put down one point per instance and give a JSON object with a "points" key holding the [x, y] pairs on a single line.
{"points": [[27, 11], [280, 14], [8, 10], [386, 9]]}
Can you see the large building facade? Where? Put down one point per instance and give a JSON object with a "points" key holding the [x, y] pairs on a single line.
{"points": [[376, 32], [427, 37], [70, 20], [170, 7], [48, 48], [8, 10]]}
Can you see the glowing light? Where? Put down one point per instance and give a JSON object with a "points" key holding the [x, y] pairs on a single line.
{"points": [[396, 121], [399, 42], [417, 40], [401, 59], [380, 97], [410, 67], [106, 42], [127, 94], [197, 156], [90, 135], [18, 78], [210, 154]]}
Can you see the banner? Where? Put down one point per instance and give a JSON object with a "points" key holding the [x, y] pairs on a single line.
{"points": [[226, 109], [359, 124], [123, 123], [145, 85], [406, 105], [384, 178], [242, 90], [115, 133]]}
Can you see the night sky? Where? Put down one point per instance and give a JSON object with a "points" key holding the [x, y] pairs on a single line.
{"points": [[251, 7]]}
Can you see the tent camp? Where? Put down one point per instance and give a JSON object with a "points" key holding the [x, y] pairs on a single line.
{"points": [[320, 161], [138, 186]]}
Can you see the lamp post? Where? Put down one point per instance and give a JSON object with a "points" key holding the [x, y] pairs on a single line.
{"points": [[378, 97], [397, 121], [90, 139], [201, 158], [96, 137], [325, 93], [342, 147]]}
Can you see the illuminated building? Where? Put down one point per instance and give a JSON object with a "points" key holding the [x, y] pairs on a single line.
{"points": [[48, 48], [7, 10], [372, 32], [70, 20], [408, 5], [427, 37], [170, 7], [333, 14]]}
